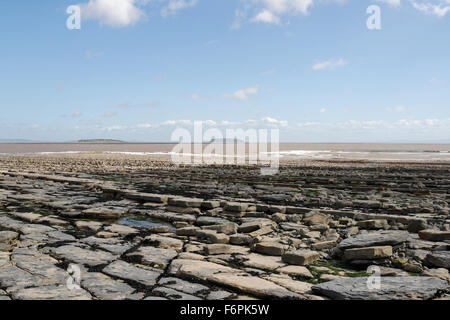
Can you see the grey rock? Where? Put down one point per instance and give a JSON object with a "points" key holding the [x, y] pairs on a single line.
{"points": [[57, 236], [116, 249], [155, 257], [315, 218], [440, 273], [250, 226], [279, 217], [35, 228], [185, 202], [183, 286], [271, 248], [324, 245], [135, 296], [258, 261], [172, 294], [41, 266], [434, 235], [121, 229], [105, 288], [240, 239], [4, 259], [208, 221], [212, 236], [15, 277], [229, 277], [210, 204], [236, 207], [3, 296], [165, 242], [83, 256], [51, 293], [124, 270], [439, 259], [392, 288], [368, 253], [301, 257], [220, 295], [153, 298], [70, 214], [373, 224], [8, 236], [226, 228], [104, 213], [218, 248], [417, 225], [187, 231], [88, 225], [373, 239]]}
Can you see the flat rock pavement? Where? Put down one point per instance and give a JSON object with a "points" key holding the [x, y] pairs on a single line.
{"points": [[390, 288], [129, 230]]}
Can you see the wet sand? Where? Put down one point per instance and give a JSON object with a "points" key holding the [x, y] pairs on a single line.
{"points": [[287, 151]]}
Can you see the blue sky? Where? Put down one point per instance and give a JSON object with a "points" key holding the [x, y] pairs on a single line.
{"points": [[138, 69]]}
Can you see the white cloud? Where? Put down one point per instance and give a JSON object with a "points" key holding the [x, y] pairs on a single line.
{"points": [[176, 5], [329, 64], [323, 110], [239, 18], [114, 13], [243, 94], [402, 126], [114, 128], [262, 123], [210, 123], [123, 13], [283, 6], [228, 123], [393, 3], [273, 11], [439, 10], [275, 122], [420, 125], [176, 122], [266, 16], [145, 126]]}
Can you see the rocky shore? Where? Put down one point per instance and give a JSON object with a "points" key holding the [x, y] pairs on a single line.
{"points": [[141, 228]]}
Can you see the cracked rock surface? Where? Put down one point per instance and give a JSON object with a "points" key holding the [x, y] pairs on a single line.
{"points": [[98, 227]]}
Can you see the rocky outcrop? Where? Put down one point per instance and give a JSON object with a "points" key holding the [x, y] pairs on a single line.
{"points": [[391, 288]]}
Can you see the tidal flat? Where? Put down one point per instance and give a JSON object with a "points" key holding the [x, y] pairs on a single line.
{"points": [[141, 228]]}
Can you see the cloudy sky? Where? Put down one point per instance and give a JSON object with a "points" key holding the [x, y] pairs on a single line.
{"points": [[138, 69]]}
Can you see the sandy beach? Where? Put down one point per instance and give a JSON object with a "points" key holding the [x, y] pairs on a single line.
{"points": [[287, 151]]}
